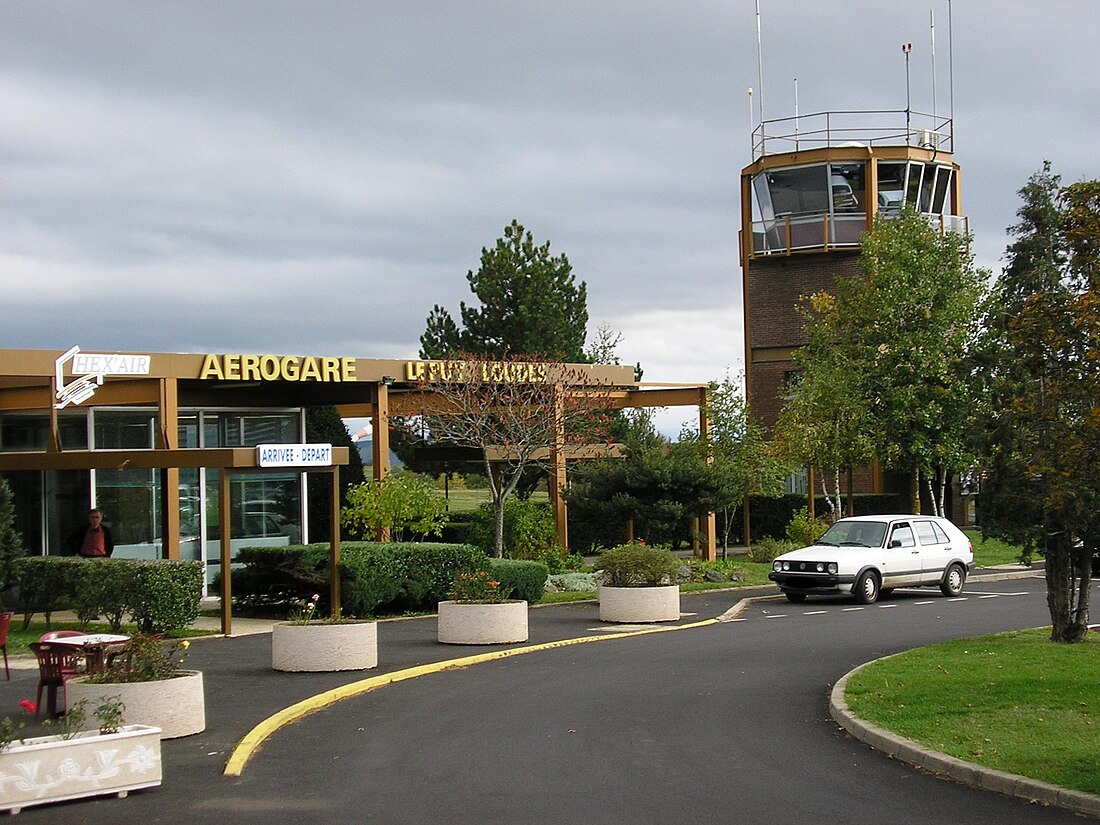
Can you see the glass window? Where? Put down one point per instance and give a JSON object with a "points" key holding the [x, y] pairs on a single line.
{"points": [[943, 179], [891, 187], [846, 180], [232, 429], [124, 429], [928, 187], [130, 501], [913, 189], [902, 533], [800, 191], [926, 532]]}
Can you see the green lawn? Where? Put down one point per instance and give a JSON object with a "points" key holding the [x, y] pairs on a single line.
{"points": [[1015, 702], [465, 500], [992, 552]]}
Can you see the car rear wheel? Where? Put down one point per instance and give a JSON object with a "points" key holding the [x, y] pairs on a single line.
{"points": [[866, 588], [953, 580], [796, 598]]}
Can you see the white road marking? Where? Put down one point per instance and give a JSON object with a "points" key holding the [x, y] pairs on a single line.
{"points": [[850, 609], [815, 613]]}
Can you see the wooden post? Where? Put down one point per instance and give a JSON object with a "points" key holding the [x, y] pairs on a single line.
{"points": [[557, 478], [709, 523], [168, 439], [380, 445]]}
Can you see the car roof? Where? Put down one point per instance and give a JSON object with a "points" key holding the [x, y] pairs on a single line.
{"points": [[887, 518]]}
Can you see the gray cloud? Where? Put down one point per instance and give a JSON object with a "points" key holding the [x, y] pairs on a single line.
{"points": [[312, 177]]}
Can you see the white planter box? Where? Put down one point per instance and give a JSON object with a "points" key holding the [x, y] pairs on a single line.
{"points": [[639, 604], [51, 769], [177, 706], [466, 623], [324, 646]]}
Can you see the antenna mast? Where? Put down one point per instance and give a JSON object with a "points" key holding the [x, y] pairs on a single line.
{"points": [[932, 26]]}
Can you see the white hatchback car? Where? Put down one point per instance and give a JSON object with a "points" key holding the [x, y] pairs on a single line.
{"points": [[870, 555]]}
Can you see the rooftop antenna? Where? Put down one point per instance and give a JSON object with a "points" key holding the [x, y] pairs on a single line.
{"points": [[752, 131], [951, 74], [759, 69], [906, 48], [932, 25]]}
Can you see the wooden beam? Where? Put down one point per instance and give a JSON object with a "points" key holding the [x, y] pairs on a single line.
{"points": [[235, 457]]}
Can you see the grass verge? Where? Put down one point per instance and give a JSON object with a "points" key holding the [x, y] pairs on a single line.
{"points": [[1015, 702]]}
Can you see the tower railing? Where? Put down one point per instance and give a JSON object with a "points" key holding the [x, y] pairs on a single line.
{"points": [[868, 127]]}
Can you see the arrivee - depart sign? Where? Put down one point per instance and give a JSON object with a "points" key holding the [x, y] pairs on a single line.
{"points": [[294, 455]]}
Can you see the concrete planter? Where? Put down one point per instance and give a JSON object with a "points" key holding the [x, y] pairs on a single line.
{"points": [[324, 646], [472, 623], [48, 769], [177, 706], [639, 604]]}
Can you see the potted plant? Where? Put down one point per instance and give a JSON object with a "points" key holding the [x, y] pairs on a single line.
{"points": [[74, 763], [479, 612], [638, 584], [148, 677], [308, 643]]}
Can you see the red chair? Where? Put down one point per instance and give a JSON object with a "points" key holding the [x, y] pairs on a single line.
{"points": [[5, 622], [56, 665]]}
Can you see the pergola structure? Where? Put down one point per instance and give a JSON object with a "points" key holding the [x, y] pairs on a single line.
{"points": [[48, 381]]}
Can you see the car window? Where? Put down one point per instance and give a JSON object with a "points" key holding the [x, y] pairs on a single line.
{"points": [[904, 534], [926, 532], [941, 536]]}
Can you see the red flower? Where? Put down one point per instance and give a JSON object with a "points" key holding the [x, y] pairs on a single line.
{"points": [[27, 705]]}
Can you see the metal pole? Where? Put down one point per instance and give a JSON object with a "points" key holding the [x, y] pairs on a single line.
{"points": [[906, 48]]}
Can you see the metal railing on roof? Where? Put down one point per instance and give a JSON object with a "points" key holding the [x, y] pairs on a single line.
{"points": [[870, 127]]}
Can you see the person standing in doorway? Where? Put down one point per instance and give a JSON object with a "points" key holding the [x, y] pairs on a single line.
{"points": [[93, 541]]}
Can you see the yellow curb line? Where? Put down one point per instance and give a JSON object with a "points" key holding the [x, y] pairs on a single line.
{"points": [[252, 740]]}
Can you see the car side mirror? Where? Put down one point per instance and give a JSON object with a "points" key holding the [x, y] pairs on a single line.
{"points": [[894, 543]]}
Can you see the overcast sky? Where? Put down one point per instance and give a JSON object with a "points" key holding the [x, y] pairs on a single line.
{"points": [[311, 177]]}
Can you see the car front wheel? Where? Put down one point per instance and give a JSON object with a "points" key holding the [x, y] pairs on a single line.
{"points": [[953, 580], [866, 589]]}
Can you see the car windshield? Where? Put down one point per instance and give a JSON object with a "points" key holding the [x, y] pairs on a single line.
{"points": [[854, 534]]}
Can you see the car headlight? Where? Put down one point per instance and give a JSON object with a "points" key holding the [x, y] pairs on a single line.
{"points": [[820, 567], [777, 566], [786, 565], [832, 568]]}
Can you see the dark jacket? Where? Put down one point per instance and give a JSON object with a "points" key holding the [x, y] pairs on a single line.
{"points": [[76, 540]]}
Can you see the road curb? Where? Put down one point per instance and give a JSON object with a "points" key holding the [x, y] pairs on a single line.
{"points": [[968, 773]]}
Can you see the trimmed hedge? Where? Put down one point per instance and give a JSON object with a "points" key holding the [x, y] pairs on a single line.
{"points": [[521, 578], [374, 578], [159, 595]]}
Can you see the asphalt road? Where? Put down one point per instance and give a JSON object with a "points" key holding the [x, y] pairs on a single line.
{"points": [[726, 723]]}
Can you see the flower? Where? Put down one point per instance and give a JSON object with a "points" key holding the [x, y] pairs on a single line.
{"points": [[478, 587], [9, 728], [308, 611], [144, 659]]}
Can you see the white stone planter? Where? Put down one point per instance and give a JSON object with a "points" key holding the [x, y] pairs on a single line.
{"points": [[177, 706], [324, 646], [472, 623], [50, 769], [639, 604]]}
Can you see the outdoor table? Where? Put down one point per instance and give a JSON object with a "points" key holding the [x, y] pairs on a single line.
{"points": [[96, 647]]}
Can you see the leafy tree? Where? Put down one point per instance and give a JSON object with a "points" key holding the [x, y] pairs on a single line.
{"points": [[324, 426], [1039, 364], [827, 423], [512, 411], [396, 503], [11, 541], [735, 455], [530, 304], [899, 338]]}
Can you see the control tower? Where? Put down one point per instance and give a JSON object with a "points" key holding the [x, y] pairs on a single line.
{"points": [[814, 188]]}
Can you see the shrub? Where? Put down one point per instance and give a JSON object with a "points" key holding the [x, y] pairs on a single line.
{"points": [[636, 565], [427, 571], [166, 594], [398, 502], [45, 582], [580, 582], [803, 530], [766, 550], [522, 578], [103, 588]]}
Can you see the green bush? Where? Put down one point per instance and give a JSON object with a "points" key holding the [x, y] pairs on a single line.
{"points": [[374, 577], [521, 578], [45, 583], [765, 550], [103, 588], [637, 565], [160, 595], [529, 530], [166, 594], [803, 530]]}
